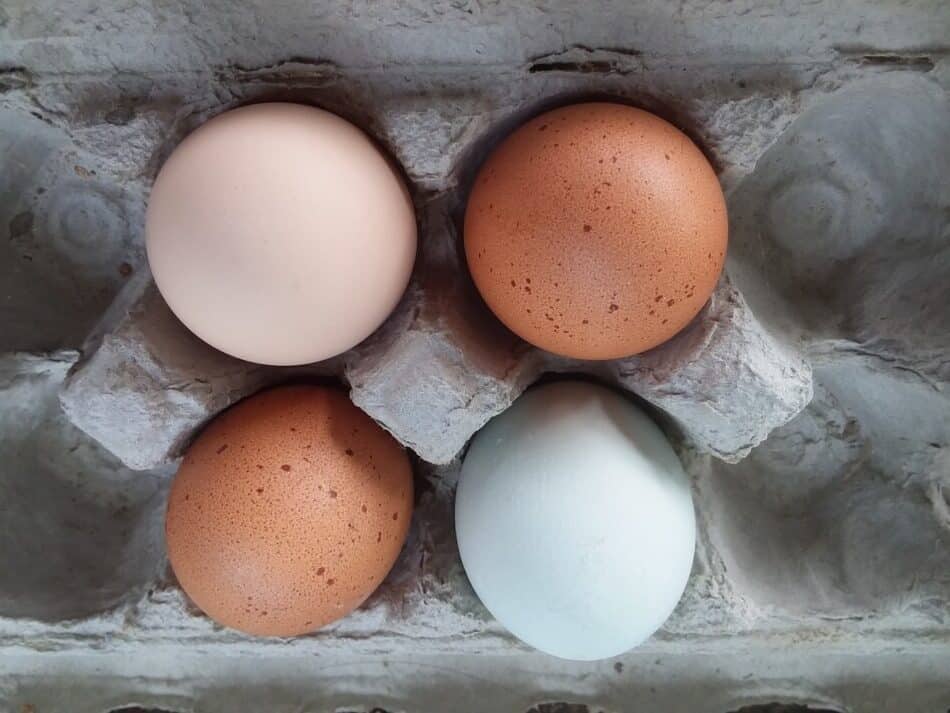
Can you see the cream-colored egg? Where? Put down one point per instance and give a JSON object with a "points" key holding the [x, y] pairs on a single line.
{"points": [[279, 233]]}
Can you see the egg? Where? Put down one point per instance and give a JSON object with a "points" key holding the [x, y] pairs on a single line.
{"points": [[596, 231], [280, 234], [287, 512], [575, 521]]}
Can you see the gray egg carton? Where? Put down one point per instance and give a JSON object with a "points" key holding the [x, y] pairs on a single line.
{"points": [[809, 400]]}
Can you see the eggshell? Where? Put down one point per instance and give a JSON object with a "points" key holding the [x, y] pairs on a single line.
{"points": [[280, 234], [288, 511], [575, 521], [596, 231]]}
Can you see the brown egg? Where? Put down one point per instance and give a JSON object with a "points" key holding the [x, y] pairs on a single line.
{"points": [[596, 231], [288, 511]]}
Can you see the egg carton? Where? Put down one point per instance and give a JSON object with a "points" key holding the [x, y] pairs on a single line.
{"points": [[808, 401]]}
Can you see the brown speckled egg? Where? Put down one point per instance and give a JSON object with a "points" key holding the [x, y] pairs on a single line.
{"points": [[596, 231], [288, 511]]}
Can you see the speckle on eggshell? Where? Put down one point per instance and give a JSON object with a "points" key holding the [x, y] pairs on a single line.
{"points": [[601, 239], [255, 534]]}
